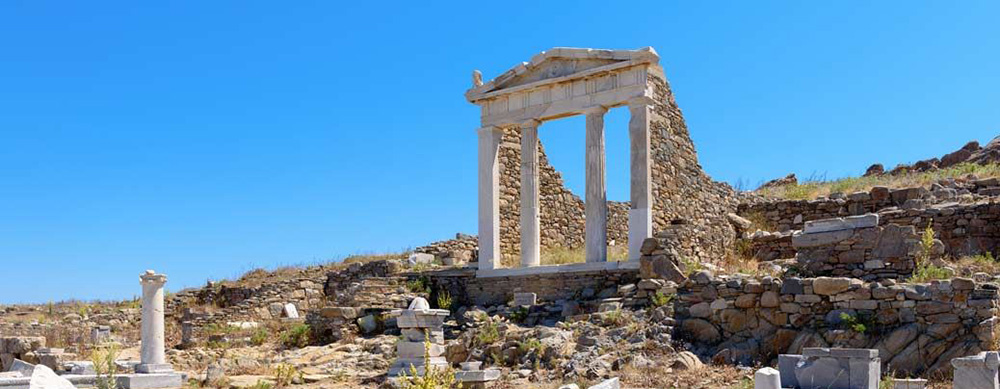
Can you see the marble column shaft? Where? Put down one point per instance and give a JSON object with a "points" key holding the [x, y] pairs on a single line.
{"points": [[489, 197], [596, 202], [640, 215], [530, 214]]}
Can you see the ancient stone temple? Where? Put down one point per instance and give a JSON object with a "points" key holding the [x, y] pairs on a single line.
{"points": [[667, 187]]}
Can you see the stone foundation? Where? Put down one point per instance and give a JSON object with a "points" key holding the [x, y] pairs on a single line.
{"points": [[917, 328]]}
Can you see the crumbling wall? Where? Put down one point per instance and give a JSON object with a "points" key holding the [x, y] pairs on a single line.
{"points": [[916, 327], [964, 228], [465, 288]]}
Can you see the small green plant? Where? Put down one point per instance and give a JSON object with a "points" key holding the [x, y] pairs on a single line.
{"points": [[104, 366], [615, 317], [854, 323], [924, 270], [661, 299], [691, 265], [433, 378], [260, 336], [529, 345], [261, 384], [418, 285], [488, 333], [285, 375], [297, 337], [444, 300], [519, 314]]}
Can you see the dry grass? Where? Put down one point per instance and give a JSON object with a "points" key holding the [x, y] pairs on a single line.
{"points": [[562, 256], [816, 187], [984, 263]]}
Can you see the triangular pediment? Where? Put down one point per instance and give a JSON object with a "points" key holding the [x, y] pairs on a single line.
{"points": [[560, 63]]}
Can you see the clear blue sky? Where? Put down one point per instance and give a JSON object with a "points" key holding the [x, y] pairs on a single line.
{"points": [[203, 139]]}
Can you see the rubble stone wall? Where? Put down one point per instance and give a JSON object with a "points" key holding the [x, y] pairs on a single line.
{"points": [[867, 253], [964, 228], [916, 327]]}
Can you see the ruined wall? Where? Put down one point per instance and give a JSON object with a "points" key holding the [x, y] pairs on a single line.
{"points": [[964, 228], [682, 192], [467, 289], [915, 327]]}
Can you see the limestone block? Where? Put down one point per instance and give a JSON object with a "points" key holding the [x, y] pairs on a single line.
{"points": [[838, 224], [804, 240], [418, 335], [406, 350], [44, 378], [976, 372], [786, 369], [412, 319], [830, 286], [525, 299], [909, 383], [613, 383], [421, 258], [290, 311], [767, 378]]}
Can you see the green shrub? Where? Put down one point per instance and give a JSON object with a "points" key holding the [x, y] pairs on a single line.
{"points": [[519, 314], [260, 336], [444, 300], [285, 375], [660, 299], [297, 337], [105, 367], [488, 333]]}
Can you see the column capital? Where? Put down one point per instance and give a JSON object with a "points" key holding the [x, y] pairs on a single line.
{"points": [[596, 110], [641, 101], [529, 123], [151, 277]]}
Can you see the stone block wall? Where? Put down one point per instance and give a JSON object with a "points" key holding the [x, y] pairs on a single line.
{"points": [[867, 253], [963, 228], [466, 289], [916, 327]]}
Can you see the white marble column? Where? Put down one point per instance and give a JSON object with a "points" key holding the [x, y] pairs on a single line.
{"points": [[530, 224], [489, 197], [152, 354], [596, 202], [640, 214]]}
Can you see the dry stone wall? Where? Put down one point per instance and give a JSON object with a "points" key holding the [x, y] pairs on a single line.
{"points": [[916, 327], [466, 289]]}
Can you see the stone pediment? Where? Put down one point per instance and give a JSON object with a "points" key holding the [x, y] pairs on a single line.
{"points": [[557, 65]]}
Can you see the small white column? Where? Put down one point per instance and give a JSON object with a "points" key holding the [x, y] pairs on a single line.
{"points": [[530, 223], [596, 202], [152, 354], [489, 197], [640, 214]]}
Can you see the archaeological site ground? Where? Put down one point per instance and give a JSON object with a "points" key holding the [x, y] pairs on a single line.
{"points": [[885, 280]]}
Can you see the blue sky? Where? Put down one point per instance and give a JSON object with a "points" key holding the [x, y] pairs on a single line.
{"points": [[203, 139]]}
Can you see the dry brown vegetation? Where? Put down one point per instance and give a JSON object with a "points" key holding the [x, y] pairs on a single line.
{"points": [[817, 187]]}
